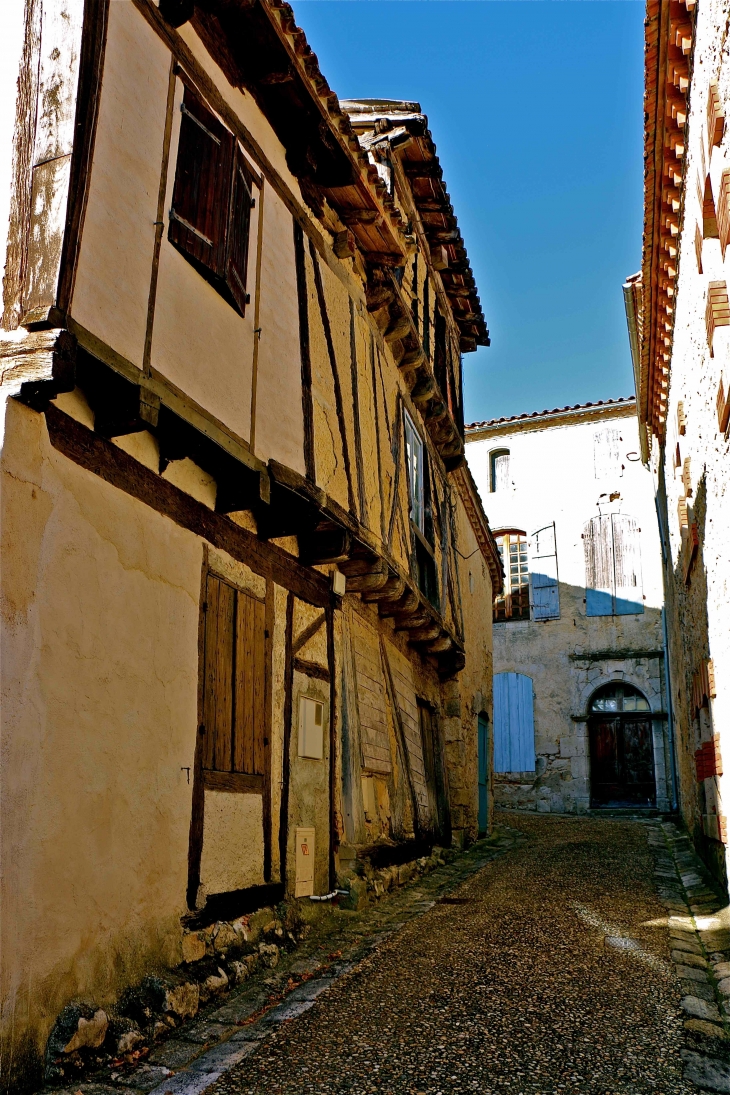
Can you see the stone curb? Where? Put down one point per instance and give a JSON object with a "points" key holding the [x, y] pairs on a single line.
{"points": [[187, 1063], [700, 947]]}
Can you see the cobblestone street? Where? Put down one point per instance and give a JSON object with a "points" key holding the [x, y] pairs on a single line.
{"points": [[542, 973]]}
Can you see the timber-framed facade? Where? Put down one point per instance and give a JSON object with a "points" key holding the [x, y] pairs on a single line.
{"points": [[246, 577]]}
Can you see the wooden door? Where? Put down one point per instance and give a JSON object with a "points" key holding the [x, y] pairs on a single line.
{"points": [[483, 772], [622, 761]]}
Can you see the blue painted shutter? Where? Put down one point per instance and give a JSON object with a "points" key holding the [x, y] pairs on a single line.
{"points": [[514, 727], [544, 575], [626, 566], [598, 547]]}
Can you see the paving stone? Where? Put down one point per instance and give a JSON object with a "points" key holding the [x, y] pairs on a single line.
{"points": [[695, 988], [688, 958], [174, 1053], [708, 1030], [206, 1031], [710, 1073], [222, 1057], [147, 1077], [700, 1009], [691, 973]]}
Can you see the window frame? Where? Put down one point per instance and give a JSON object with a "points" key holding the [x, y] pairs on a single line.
{"points": [[210, 216], [506, 614]]}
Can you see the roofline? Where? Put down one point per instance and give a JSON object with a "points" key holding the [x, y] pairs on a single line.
{"points": [[541, 420]]}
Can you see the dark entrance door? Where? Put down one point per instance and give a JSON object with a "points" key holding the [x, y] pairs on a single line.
{"points": [[622, 755]]}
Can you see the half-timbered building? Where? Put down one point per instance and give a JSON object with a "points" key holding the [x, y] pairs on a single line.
{"points": [[246, 575]]}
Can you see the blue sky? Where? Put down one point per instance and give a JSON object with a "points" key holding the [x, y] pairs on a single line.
{"points": [[536, 110]]}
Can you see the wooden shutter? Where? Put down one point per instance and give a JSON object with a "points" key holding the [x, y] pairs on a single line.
{"points": [[628, 598], [687, 477], [239, 230], [606, 453], [723, 406], [500, 471], [234, 689], [717, 312], [715, 116], [598, 548], [514, 727], [201, 197], [723, 211], [544, 575]]}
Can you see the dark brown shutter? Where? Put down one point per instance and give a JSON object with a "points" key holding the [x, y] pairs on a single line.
{"points": [[235, 681], [201, 197], [248, 736], [239, 230], [218, 675]]}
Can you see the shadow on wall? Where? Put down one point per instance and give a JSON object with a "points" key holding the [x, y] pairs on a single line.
{"points": [[567, 660], [688, 635]]}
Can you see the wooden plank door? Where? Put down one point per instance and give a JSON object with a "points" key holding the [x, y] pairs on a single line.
{"points": [[638, 761], [483, 772], [605, 777]]}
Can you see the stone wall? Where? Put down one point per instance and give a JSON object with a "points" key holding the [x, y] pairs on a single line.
{"points": [[698, 584], [556, 476]]}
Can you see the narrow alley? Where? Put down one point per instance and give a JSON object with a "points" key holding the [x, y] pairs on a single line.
{"points": [[551, 973]]}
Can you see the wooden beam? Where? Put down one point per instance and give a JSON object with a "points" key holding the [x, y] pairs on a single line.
{"points": [[306, 363], [121, 470], [304, 636], [339, 404], [287, 730], [239, 783], [311, 669]]}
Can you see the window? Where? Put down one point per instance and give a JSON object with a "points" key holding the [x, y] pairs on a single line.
{"points": [[514, 602], [613, 566], [514, 725], [415, 465], [607, 453], [212, 201], [617, 698], [420, 505], [311, 728], [499, 474], [234, 710], [544, 575]]}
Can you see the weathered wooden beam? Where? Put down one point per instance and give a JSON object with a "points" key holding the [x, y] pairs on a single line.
{"points": [[35, 366], [393, 588], [425, 634], [365, 583]]}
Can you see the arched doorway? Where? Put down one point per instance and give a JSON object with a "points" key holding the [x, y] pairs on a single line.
{"points": [[622, 754]]}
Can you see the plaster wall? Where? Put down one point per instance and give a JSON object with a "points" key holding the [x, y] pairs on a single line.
{"points": [[98, 722], [697, 602], [112, 286], [555, 476], [309, 788]]}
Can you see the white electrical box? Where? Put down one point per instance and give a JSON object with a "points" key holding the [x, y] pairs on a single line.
{"points": [[304, 880], [311, 728]]}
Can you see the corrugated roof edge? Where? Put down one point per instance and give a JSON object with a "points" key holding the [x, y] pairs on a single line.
{"points": [[623, 400]]}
